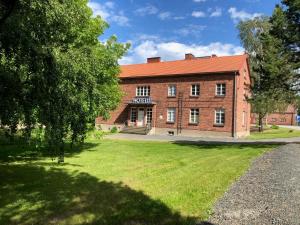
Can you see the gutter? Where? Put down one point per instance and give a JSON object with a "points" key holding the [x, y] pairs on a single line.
{"points": [[176, 75], [234, 108]]}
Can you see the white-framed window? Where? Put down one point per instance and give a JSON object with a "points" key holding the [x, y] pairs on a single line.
{"points": [[143, 91], [133, 115], [194, 116], [149, 115], [172, 90], [282, 120], [220, 89], [195, 90], [171, 115], [220, 117]]}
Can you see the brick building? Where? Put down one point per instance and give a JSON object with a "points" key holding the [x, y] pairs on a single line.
{"points": [[288, 117], [197, 96]]}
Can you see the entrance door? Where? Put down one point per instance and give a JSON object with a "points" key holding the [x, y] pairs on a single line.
{"points": [[140, 119]]}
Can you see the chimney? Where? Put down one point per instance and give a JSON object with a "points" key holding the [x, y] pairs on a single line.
{"points": [[214, 56], [153, 60], [189, 56]]}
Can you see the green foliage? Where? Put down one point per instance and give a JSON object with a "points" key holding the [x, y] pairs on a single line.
{"points": [[114, 130], [272, 73], [54, 72], [274, 127], [286, 23]]}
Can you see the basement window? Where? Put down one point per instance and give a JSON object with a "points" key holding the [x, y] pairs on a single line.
{"points": [[171, 133]]}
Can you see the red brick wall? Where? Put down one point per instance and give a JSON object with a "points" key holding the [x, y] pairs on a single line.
{"points": [[207, 102], [243, 89], [285, 118]]}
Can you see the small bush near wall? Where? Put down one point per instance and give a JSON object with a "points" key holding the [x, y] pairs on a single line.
{"points": [[114, 130], [274, 127]]}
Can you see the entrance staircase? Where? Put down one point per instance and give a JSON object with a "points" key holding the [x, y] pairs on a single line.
{"points": [[136, 130]]}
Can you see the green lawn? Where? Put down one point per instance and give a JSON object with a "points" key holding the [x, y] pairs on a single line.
{"points": [[119, 182], [275, 133]]}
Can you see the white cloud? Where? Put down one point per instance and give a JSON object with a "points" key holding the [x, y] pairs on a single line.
{"points": [[164, 15], [198, 14], [99, 10], [107, 12], [147, 10], [199, 0], [241, 15], [110, 5], [142, 37], [176, 50], [178, 17], [190, 30], [120, 19], [216, 13]]}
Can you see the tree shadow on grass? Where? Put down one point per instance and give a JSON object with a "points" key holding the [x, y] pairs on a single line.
{"points": [[23, 152], [33, 195], [223, 145]]}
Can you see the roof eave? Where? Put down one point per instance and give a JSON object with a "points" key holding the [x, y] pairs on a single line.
{"points": [[176, 75]]}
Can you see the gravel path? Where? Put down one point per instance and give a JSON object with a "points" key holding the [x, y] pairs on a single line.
{"points": [[269, 193]]}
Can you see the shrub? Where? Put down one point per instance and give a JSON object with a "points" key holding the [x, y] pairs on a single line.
{"points": [[114, 130], [274, 127], [98, 134]]}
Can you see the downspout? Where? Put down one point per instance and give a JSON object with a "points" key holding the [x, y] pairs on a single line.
{"points": [[234, 107]]}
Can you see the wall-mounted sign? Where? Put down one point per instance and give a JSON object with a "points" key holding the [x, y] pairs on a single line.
{"points": [[144, 100]]}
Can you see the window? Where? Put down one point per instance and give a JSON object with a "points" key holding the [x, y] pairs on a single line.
{"points": [[171, 90], [274, 120], [171, 115], [143, 91], [133, 115], [149, 116], [220, 117], [194, 116], [283, 120], [244, 119], [195, 90], [221, 89]]}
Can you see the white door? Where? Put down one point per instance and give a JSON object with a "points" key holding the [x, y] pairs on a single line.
{"points": [[140, 119]]}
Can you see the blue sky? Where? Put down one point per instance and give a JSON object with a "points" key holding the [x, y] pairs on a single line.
{"points": [[171, 28]]}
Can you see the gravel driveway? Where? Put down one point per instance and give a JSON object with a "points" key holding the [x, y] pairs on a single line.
{"points": [[269, 193]]}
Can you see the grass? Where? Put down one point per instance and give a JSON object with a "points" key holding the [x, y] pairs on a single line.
{"points": [[274, 133], [119, 182]]}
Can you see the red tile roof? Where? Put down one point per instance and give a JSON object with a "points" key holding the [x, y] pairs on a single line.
{"points": [[185, 67]]}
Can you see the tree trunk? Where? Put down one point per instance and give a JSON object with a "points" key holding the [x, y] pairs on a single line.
{"points": [[260, 123], [61, 154]]}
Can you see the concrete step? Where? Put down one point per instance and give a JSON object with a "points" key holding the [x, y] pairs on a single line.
{"points": [[135, 130]]}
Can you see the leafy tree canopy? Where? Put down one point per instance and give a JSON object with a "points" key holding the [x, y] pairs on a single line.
{"points": [[273, 76], [54, 72]]}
